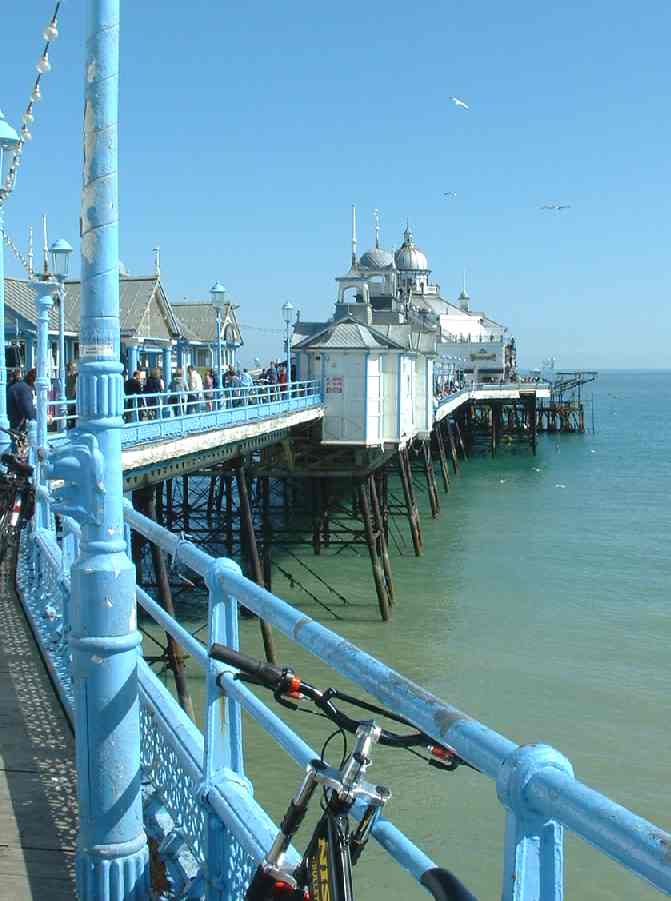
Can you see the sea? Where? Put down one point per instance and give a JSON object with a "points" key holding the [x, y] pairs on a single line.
{"points": [[541, 607]]}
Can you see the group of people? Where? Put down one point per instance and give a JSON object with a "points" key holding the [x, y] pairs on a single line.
{"points": [[194, 393], [22, 398]]}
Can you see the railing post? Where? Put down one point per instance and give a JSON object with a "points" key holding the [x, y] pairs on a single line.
{"points": [[112, 857], [43, 301], [167, 367], [223, 732], [533, 866]]}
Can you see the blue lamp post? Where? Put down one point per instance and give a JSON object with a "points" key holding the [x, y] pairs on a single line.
{"points": [[288, 315], [45, 290], [112, 855], [9, 142], [218, 295], [60, 266]]}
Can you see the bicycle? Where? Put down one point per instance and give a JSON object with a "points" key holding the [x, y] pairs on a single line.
{"points": [[325, 870], [17, 494]]}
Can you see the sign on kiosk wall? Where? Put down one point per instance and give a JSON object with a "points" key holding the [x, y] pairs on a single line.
{"points": [[334, 384]]}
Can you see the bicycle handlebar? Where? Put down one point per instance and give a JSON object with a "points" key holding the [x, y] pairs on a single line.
{"points": [[283, 682]]}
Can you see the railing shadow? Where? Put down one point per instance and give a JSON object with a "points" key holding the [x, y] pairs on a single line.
{"points": [[37, 772]]}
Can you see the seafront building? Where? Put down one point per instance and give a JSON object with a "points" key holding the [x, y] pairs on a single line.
{"points": [[153, 330], [391, 342]]}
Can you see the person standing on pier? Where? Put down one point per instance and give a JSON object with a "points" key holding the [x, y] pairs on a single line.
{"points": [[21, 400], [195, 383]]}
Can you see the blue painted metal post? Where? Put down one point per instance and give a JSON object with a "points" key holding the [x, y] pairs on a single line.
{"points": [[112, 858], [180, 355], [9, 141], [44, 300], [4, 422], [223, 732], [220, 359], [132, 359], [167, 367]]}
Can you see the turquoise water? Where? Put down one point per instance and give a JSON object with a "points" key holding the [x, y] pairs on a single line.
{"points": [[540, 607]]}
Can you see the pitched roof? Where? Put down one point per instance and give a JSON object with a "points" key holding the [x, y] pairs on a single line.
{"points": [[143, 307], [348, 334], [198, 321], [144, 310], [20, 298]]}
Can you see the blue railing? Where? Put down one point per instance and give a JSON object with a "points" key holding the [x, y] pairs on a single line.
{"points": [[198, 803], [177, 413]]}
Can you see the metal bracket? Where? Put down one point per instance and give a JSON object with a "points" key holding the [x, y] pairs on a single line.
{"points": [[80, 467]]}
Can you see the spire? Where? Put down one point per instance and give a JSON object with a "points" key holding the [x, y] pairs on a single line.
{"points": [[30, 251], [464, 297], [353, 236], [408, 237], [376, 214], [157, 261], [45, 249]]}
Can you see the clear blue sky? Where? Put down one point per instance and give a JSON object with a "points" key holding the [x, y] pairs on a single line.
{"points": [[247, 130]]}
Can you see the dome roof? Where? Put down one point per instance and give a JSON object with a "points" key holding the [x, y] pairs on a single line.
{"points": [[377, 258], [409, 256]]}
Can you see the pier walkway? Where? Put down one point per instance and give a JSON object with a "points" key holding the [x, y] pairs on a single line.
{"points": [[38, 806]]}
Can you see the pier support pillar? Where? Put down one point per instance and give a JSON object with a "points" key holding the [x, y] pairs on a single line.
{"points": [[442, 456], [410, 502], [434, 500], [371, 540], [247, 526]]}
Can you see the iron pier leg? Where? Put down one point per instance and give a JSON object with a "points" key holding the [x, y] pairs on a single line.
{"points": [[247, 524], [434, 500], [409, 495], [442, 456], [378, 572], [383, 547]]}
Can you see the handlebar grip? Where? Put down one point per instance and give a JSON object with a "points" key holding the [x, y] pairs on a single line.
{"points": [[444, 886], [266, 673]]}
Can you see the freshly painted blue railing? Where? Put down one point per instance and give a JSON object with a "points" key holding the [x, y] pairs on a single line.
{"points": [[174, 414], [199, 805]]}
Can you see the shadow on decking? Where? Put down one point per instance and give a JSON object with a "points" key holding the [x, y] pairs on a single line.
{"points": [[38, 807]]}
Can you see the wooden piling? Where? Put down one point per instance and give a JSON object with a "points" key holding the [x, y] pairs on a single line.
{"points": [[410, 502], [383, 547], [247, 525], [175, 653], [432, 490], [442, 456], [378, 571]]}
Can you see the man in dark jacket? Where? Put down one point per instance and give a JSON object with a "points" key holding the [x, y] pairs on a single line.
{"points": [[21, 400]]}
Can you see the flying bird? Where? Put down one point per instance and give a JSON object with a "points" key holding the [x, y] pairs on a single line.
{"points": [[449, 193], [457, 102], [556, 206]]}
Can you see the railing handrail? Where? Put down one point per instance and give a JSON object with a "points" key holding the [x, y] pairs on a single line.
{"points": [[531, 780]]}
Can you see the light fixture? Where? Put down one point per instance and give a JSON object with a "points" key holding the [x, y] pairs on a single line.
{"points": [[50, 33], [60, 258], [43, 65], [287, 311], [36, 94], [9, 142], [218, 295]]}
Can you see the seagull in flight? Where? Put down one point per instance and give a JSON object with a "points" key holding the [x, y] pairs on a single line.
{"points": [[556, 206], [449, 193], [457, 102]]}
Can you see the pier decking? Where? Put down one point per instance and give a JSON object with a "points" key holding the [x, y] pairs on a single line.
{"points": [[38, 807]]}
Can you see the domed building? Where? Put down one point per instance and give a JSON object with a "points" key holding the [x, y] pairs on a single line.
{"points": [[412, 264]]}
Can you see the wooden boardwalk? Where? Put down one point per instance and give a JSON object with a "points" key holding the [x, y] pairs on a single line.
{"points": [[38, 807]]}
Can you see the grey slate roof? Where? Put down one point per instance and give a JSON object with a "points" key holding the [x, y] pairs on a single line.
{"points": [[144, 308], [20, 298], [198, 321], [348, 334]]}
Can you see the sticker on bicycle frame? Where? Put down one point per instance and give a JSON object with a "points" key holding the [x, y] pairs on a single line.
{"points": [[96, 350]]}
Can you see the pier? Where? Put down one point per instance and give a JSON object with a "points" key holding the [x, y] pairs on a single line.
{"points": [[108, 773]]}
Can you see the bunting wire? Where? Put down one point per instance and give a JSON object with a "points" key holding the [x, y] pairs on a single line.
{"points": [[43, 66]]}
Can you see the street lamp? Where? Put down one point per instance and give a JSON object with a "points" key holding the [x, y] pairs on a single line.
{"points": [[60, 266], [288, 315], [9, 142], [218, 295]]}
